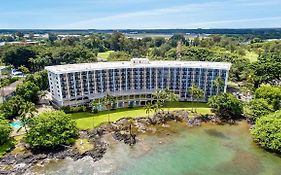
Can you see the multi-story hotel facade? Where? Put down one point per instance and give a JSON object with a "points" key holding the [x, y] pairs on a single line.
{"points": [[133, 82]]}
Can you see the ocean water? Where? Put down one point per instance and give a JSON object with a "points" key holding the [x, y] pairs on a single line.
{"points": [[178, 150]]}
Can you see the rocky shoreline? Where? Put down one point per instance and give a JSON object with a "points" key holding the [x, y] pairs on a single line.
{"points": [[120, 130]]}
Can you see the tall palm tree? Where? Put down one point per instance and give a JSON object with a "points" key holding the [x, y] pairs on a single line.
{"points": [[218, 83], [195, 93], [158, 95], [108, 101], [170, 96], [26, 112], [95, 104]]}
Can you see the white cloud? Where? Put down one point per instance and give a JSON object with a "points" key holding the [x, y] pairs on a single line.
{"points": [[204, 12]]}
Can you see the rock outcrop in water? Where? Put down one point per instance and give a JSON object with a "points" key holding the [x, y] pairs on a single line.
{"points": [[121, 130]]}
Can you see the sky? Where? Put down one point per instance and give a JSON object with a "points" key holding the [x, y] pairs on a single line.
{"points": [[139, 14]]}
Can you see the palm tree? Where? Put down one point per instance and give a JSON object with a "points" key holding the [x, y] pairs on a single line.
{"points": [[148, 108], [26, 112], [95, 104], [218, 83], [158, 95], [108, 101], [170, 96], [195, 93], [130, 122], [158, 106]]}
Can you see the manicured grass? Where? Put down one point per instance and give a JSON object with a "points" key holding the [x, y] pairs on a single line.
{"points": [[87, 120], [252, 56], [104, 55]]}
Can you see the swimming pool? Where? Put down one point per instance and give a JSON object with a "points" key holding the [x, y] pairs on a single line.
{"points": [[16, 124]]}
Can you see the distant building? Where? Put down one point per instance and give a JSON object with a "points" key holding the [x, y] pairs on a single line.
{"points": [[24, 43], [133, 82]]}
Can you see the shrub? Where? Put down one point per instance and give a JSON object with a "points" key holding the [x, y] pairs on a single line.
{"points": [[5, 131], [70, 109], [226, 106], [267, 132], [29, 91], [50, 130], [271, 94], [256, 108]]}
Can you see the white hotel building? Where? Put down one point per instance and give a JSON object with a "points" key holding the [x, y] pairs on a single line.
{"points": [[133, 82]]}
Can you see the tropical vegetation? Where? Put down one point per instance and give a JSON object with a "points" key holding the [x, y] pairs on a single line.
{"points": [[50, 130], [226, 106], [267, 131]]}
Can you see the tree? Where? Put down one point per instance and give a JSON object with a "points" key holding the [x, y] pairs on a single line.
{"points": [[195, 93], [117, 41], [131, 122], [160, 96], [108, 101], [24, 69], [52, 37], [257, 108], [27, 111], [170, 96], [95, 105], [175, 39], [39, 78], [19, 34], [271, 94], [267, 132], [158, 106], [148, 108], [18, 56], [218, 83], [158, 41], [11, 108], [226, 106], [28, 91], [5, 130], [50, 130]]}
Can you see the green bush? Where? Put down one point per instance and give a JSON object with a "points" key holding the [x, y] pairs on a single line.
{"points": [[11, 108], [50, 130], [29, 91], [267, 132], [256, 108], [70, 109], [5, 131], [226, 106], [271, 94]]}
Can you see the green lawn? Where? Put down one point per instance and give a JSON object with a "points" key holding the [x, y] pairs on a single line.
{"points": [[87, 120], [252, 56], [104, 55]]}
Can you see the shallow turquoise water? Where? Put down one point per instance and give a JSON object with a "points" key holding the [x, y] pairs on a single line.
{"points": [[178, 150]]}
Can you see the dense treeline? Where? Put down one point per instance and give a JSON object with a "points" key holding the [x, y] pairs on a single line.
{"points": [[85, 49], [179, 47]]}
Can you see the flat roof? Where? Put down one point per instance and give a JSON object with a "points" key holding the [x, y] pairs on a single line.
{"points": [[67, 68]]}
